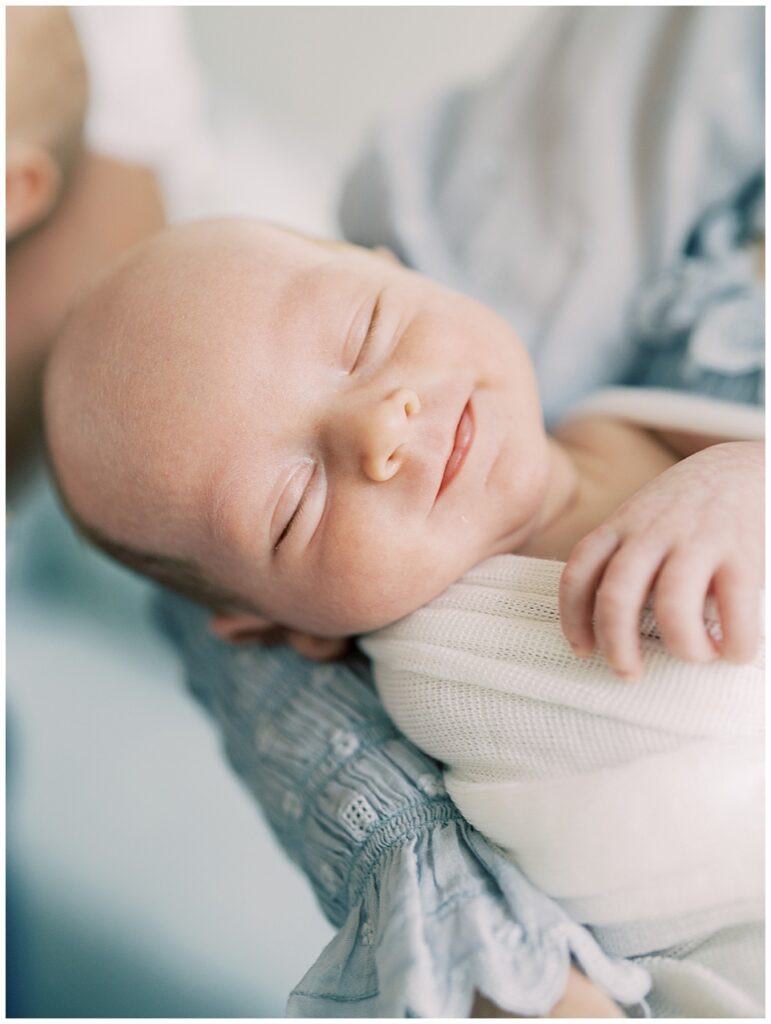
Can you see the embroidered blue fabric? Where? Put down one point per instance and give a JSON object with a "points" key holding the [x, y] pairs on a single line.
{"points": [[428, 912]]}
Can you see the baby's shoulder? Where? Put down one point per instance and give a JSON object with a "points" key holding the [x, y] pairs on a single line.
{"points": [[615, 447], [602, 434]]}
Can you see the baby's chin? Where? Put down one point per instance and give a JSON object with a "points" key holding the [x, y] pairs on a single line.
{"points": [[362, 618], [367, 595]]}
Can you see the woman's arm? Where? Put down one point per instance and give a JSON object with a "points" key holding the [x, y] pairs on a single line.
{"points": [[429, 915], [580, 999]]}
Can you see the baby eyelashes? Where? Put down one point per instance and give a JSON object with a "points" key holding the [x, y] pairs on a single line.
{"points": [[292, 500], [372, 327], [378, 435]]}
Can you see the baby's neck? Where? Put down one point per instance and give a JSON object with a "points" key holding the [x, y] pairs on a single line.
{"points": [[596, 464], [564, 489]]}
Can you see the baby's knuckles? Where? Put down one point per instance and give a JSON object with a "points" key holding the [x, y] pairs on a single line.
{"points": [[612, 602], [677, 637], [588, 550]]}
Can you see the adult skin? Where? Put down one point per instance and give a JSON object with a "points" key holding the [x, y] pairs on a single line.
{"points": [[108, 207], [581, 999]]}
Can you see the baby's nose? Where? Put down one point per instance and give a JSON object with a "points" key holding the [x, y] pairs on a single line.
{"points": [[385, 434]]}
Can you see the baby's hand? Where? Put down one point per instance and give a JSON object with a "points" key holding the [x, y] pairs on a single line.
{"points": [[696, 529]]}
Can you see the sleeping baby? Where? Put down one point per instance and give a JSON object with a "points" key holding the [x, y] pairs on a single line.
{"points": [[317, 443]]}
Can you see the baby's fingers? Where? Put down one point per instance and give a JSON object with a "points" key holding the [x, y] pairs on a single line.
{"points": [[579, 582], [739, 607], [626, 583], [678, 605]]}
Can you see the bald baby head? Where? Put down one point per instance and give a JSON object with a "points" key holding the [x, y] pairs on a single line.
{"points": [[134, 387]]}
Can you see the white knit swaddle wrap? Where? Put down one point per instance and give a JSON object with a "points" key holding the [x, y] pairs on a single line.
{"points": [[626, 802]]}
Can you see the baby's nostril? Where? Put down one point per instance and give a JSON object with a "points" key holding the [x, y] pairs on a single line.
{"points": [[412, 406]]}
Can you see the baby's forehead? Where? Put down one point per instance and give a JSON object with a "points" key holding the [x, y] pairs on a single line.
{"points": [[247, 255], [203, 291], [279, 270]]}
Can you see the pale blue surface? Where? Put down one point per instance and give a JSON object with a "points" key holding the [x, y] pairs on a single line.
{"points": [[143, 880]]}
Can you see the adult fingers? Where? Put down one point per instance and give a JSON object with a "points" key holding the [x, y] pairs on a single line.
{"points": [[739, 608], [678, 604], [578, 584]]}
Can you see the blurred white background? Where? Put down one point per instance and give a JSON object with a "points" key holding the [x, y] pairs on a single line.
{"points": [[323, 74], [142, 880]]}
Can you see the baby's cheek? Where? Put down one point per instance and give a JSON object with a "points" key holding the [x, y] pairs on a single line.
{"points": [[370, 581], [376, 578]]}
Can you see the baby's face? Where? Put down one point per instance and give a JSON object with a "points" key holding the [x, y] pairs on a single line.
{"points": [[330, 435]]}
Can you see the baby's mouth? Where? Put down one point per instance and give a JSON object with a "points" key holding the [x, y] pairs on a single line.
{"points": [[464, 436]]}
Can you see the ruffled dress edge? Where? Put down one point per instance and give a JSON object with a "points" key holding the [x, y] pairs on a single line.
{"points": [[417, 943]]}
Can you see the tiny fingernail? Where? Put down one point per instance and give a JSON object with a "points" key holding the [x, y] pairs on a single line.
{"points": [[579, 650], [628, 676]]}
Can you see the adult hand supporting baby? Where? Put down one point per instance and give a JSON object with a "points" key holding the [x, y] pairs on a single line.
{"points": [[696, 530], [580, 999]]}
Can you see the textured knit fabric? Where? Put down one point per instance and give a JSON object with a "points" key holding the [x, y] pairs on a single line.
{"points": [[634, 805], [428, 912]]}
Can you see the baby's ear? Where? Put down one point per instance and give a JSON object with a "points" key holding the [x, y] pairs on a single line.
{"points": [[318, 648], [32, 183], [246, 628]]}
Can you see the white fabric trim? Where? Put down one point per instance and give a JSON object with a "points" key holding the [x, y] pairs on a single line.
{"points": [[676, 410]]}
